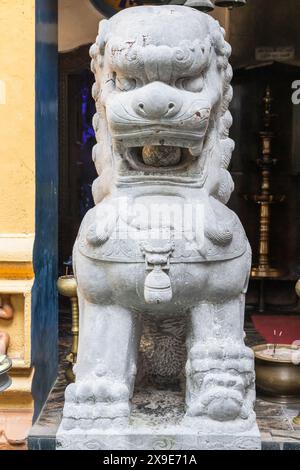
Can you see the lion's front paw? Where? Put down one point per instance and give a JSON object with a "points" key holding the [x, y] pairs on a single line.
{"points": [[98, 403], [102, 389], [219, 396], [110, 390], [217, 405]]}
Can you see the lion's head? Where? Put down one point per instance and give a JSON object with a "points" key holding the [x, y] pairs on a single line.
{"points": [[162, 92]]}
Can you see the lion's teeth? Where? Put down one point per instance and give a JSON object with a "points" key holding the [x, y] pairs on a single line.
{"points": [[196, 151]]}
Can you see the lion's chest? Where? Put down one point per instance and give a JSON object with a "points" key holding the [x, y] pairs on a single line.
{"points": [[124, 283], [166, 247], [127, 229]]}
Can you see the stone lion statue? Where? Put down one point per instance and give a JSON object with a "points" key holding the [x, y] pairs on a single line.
{"points": [[160, 240]]}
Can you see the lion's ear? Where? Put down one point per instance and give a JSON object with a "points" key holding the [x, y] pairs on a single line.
{"points": [[99, 46], [102, 35]]}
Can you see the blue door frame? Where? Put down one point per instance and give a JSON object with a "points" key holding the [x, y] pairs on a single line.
{"points": [[44, 330]]}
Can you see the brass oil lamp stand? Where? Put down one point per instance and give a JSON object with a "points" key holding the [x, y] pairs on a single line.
{"points": [[67, 286], [265, 199]]}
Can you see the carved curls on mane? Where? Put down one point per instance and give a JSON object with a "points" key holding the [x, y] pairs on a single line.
{"points": [[223, 51]]}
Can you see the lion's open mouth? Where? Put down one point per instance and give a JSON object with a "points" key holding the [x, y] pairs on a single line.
{"points": [[162, 157]]}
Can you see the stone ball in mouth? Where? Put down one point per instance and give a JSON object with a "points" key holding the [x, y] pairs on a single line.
{"points": [[161, 156]]}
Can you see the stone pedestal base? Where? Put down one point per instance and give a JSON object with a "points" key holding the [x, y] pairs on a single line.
{"points": [[157, 423], [159, 439]]}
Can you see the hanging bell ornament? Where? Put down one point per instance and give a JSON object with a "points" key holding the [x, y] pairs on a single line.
{"points": [[201, 5], [157, 288], [230, 3]]}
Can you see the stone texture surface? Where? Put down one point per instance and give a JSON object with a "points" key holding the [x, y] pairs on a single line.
{"points": [[160, 242]]}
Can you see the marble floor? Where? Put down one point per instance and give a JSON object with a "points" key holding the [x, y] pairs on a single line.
{"points": [[274, 420]]}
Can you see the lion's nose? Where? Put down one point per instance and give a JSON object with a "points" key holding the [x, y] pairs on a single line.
{"points": [[156, 101]]}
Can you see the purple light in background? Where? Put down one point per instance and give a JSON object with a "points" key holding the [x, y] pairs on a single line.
{"points": [[88, 130], [87, 172]]}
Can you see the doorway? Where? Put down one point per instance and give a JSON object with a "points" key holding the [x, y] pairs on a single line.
{"points": [[76, 138]]}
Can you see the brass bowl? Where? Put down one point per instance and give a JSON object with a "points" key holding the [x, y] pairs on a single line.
{"points": [[67, 286], [277, 380], [296, 420]]}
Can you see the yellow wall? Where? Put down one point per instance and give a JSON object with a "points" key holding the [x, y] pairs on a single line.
{"points": [[17, 130], [17, 196], [17, 173]]}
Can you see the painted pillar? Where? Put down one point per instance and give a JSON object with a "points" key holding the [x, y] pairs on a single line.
{"points": [[28, 209]]}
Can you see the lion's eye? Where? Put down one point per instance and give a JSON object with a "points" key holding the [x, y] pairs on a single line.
{"points": [[125, 84], [194, 84]]}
